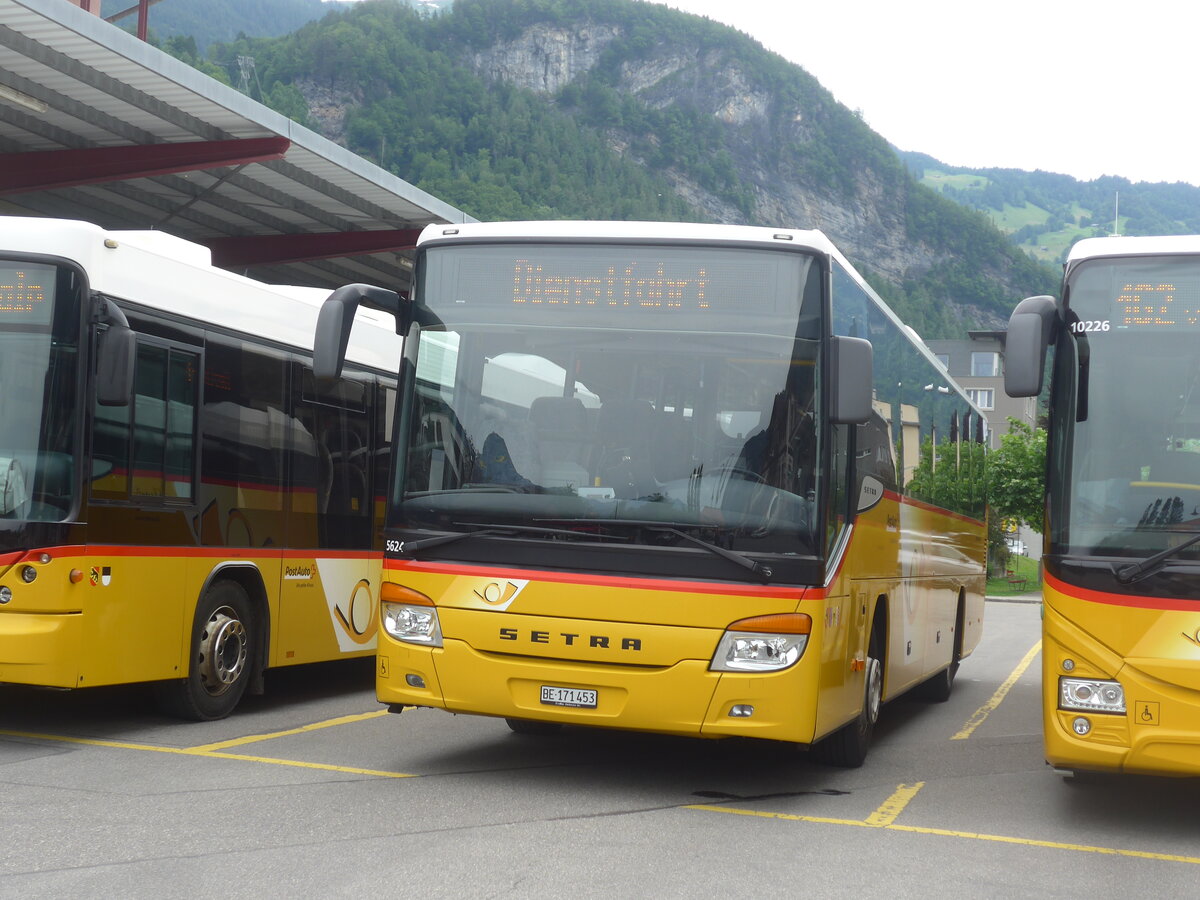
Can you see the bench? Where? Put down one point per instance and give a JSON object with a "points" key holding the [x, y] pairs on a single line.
{"points": [[1015, 581]]}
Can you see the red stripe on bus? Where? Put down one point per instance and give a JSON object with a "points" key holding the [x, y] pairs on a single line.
{"points": [[125, 550], [588, 578], [1110, 599]]}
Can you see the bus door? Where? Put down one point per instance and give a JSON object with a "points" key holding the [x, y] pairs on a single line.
{"points": [[329, 582]]}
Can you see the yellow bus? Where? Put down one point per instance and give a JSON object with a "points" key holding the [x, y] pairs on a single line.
{"points": [[180, 501], [1121, 632], [686, 479]]}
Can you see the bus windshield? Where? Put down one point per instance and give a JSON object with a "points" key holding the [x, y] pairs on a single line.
{"points": [[39, 351], [1128, 411], [612, 391]]}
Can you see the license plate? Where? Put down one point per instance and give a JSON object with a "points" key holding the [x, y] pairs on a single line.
{"points": [[565, 696]]}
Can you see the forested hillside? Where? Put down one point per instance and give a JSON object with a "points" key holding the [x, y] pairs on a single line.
{"points": [[1045, 213], [630, 110]]}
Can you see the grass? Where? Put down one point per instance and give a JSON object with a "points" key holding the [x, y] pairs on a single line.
{"points": [[1025, 568]]}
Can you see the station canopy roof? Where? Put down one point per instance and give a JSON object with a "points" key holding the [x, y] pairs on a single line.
{"points": [[98, 125]]}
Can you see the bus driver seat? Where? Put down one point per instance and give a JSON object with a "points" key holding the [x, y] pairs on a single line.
{"points": [[560, 428]]}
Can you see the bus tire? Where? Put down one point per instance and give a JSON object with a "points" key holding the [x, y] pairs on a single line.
{"points": [[847, 747], [529, 726], [222, 656]]}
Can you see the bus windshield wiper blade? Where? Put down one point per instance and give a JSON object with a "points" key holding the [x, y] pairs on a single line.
{"points": [[488, 529], [1131, 573], [764, 573]]}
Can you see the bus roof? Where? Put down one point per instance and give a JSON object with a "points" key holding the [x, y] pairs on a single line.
{"points": [[1091, 248], [160, 271], [633, 231]]}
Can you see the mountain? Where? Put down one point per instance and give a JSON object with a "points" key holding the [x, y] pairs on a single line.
{"points": [[629, 110], [1045, 213], [209, 21]]}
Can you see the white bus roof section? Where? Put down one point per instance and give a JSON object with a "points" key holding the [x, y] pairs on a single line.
{"points": [[1090, 248], [159, 271], [632, 231], [71, 83]]}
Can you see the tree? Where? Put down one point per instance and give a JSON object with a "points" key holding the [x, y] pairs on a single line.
{"points": [[1017, 474]]}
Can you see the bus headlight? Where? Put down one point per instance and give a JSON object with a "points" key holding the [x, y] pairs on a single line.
{"points": [[1090, 695], [409, 616], [762, 643], [414, 624]]}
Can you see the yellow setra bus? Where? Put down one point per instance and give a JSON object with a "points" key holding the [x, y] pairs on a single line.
{"points": [[685, 479], [180, 501], [1121, 632]]}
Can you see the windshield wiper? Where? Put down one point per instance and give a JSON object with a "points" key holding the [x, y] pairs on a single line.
{"points": [[763, 573], [485, 529], [1131, 573]]}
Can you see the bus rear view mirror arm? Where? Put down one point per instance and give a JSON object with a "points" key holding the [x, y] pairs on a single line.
{"points": [[336, 319], [852, 366], [1030, 330]]}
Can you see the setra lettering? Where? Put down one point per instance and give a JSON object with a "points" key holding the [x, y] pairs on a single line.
{"points": [[573, 639]]}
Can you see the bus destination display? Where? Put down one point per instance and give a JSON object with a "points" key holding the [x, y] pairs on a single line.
{"points": [[1163, 304], [26, 292], [598, 280], [628, 284]]}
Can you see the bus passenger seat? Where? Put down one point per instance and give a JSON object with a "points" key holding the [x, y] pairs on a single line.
{"points": [[560, 428]]}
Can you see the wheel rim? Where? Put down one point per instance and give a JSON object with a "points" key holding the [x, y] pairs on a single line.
{"points": [[874, 689], [223, 651]]}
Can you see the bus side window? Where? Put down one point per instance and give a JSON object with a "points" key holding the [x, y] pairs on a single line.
{"points": [[147, 450]]}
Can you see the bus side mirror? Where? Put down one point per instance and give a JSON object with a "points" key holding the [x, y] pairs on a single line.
{"points": [[1029, 331], [853, 376], [336, 318], [116, 349]]}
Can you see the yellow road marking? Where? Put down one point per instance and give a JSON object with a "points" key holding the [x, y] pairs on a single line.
{"points": [[1054, 845], [894, 805], [773, 815], [881, 818], [316, 726], [1001, 692], [884, 817], [93, 742], [304, 765], [207, 752]]}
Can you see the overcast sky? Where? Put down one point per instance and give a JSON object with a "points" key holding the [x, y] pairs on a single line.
{"points": [[1082, 87]]}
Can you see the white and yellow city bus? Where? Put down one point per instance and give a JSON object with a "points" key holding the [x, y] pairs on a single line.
{"points": [[181, 502], [1121, 625], [646, 479]]}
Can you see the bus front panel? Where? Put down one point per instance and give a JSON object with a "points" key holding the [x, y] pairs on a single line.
{"points": [[616, 655]]}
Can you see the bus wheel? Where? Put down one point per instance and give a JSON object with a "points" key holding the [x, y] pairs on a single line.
{"points": [[222, 657], [847, 747], [528, 726]]}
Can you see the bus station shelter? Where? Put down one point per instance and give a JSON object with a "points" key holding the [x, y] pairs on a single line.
{"points": [[96, 124]]}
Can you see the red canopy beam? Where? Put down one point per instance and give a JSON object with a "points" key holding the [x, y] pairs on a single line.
{"points": [[47, 169], [272, 249]]}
